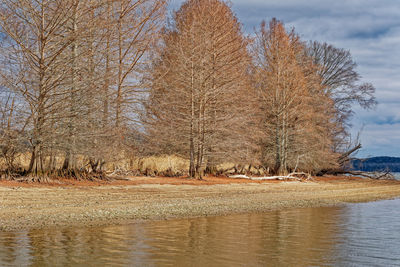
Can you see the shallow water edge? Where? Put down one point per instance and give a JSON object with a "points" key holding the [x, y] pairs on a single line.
{"points": [[54, 207]]}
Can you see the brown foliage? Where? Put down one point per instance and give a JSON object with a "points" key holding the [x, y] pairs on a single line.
{"points": [[199, 95], [89, 85], [295, 112]]}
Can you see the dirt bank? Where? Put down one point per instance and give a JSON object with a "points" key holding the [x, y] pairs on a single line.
{"points": [[24, 206]]}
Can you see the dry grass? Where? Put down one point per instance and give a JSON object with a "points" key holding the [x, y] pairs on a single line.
{"points": [[166, 165], [152, 164]]}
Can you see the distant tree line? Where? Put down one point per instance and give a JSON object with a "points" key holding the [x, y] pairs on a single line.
{"points": [[391, 164], [84, 83]]}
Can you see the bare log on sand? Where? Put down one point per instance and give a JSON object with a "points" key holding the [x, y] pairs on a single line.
{"points": [[299, 176]]}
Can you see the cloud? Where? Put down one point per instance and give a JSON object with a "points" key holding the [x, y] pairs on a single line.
{"points": [[370, 29], [381, 140]]}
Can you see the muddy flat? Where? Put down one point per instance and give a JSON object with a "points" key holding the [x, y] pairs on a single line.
{"points": [[68, 203]]}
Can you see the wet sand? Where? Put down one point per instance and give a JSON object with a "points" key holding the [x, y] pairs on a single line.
{"points": [[34, 206]]}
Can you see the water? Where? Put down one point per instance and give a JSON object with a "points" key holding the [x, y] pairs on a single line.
{"points": [[352, 235]]}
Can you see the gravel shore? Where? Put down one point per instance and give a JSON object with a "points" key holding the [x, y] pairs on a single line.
{"points": [[34, 207]]}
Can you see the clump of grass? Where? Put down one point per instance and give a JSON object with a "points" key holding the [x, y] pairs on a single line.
{"points": [[167, 165]]}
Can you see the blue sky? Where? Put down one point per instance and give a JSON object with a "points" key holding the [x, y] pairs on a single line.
{"points": [[370, 29]]}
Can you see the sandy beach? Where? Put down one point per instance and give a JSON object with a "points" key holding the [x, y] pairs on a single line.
{"points": [[33, 206]]}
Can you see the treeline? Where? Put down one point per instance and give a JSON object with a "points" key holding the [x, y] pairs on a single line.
{"points": [[374, 164], [86, 83]]}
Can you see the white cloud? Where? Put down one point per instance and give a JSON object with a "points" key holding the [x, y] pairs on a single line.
{"points": [[376, 141]]}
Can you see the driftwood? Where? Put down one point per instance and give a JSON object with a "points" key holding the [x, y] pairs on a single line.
{"points": [[386, 175], [344, 163], [241, 170], [299, 176], [345, 157]]}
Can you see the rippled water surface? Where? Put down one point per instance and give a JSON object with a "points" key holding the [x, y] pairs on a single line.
{"points": [[352, 235]]}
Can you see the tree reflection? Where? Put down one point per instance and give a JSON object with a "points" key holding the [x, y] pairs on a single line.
{"points": [[292, 237]]}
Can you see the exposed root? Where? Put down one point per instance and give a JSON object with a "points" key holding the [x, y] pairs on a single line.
{"points": [[34, 179], [82, 175], [53, 176], [11, 174], [153, 173]]}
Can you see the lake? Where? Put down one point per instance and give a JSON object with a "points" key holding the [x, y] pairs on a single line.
{"points": [[366, 234]]}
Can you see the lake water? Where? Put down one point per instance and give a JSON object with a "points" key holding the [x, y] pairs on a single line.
{"points": [[365, 234]]}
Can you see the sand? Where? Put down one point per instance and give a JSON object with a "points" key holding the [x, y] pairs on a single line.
{"points": [[70, 204]]}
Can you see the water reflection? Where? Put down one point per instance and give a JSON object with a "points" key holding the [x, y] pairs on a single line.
{"points": [[299, 237], [279, 238]]}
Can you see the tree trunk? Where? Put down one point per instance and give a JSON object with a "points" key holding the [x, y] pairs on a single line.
{"points": [[192, 117]]}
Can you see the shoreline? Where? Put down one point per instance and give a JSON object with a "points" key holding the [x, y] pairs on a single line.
{"points": [[86, 204]]}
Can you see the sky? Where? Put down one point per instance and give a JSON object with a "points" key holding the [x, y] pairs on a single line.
{"points": [[370, 29]]}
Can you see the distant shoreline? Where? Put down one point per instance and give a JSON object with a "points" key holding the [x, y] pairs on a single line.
{"points": [[384, 163], [32, 206]]}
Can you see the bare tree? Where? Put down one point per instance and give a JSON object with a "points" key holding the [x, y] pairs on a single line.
{"points": [[58, 65], [342, 83], [136, 23], [36, 42], [292, 117], [199, 87], [12, 124], [81, 82]]}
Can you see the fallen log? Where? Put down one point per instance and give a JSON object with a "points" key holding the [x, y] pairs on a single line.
{"points": [[386, 175], [300, 176], [345, 157]]}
